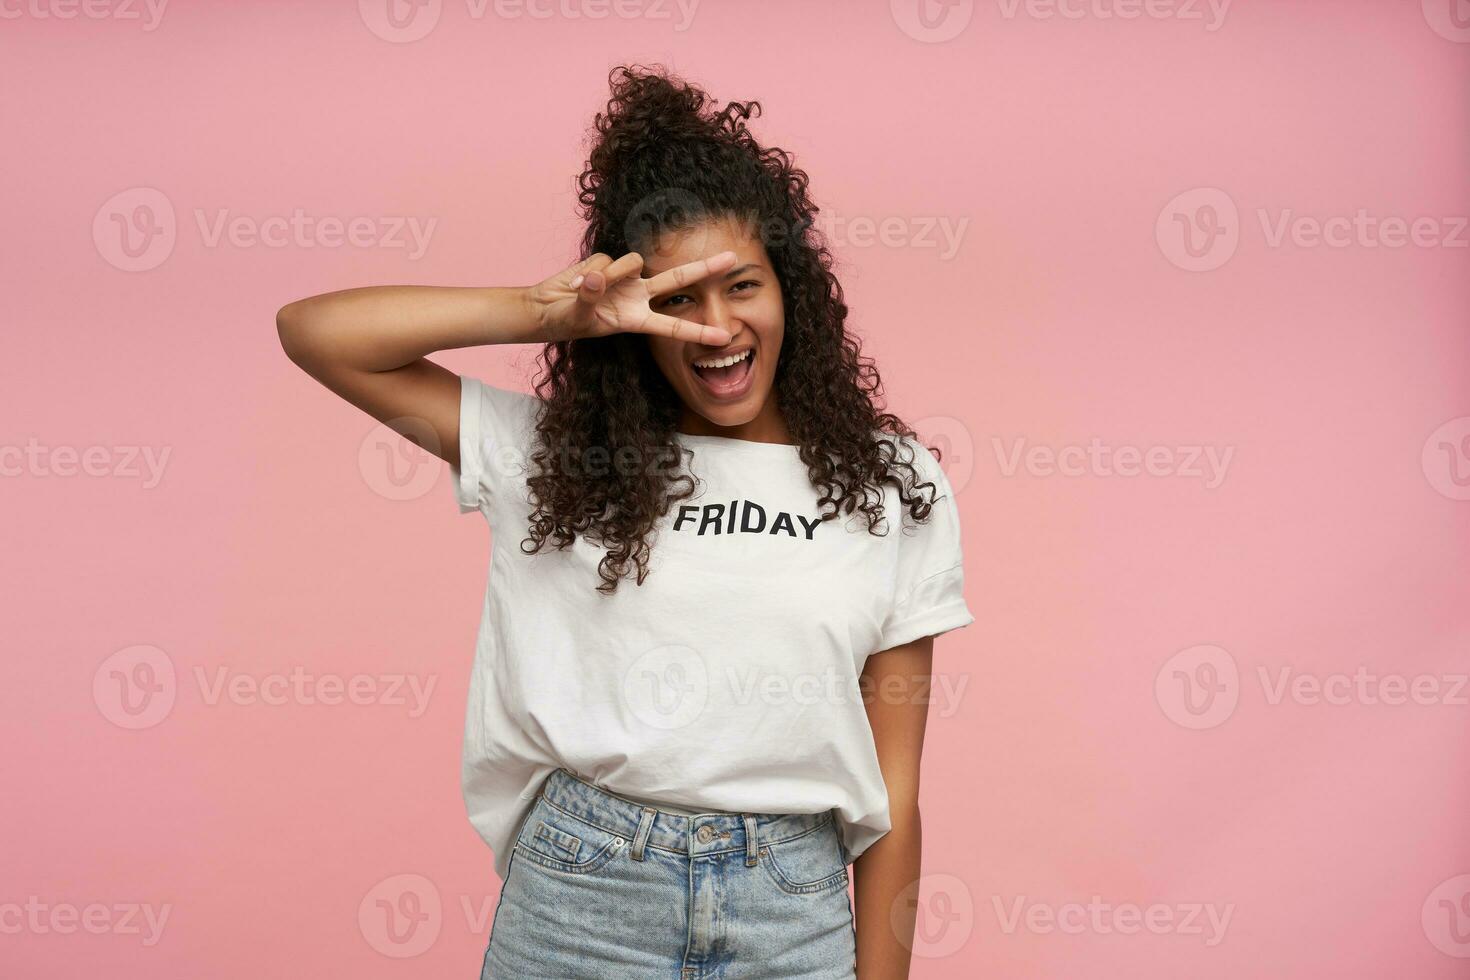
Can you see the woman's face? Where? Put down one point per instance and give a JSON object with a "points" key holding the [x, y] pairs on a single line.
{"points": [[746, 303]]}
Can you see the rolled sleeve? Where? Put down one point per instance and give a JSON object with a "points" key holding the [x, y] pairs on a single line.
{"points": [[468, 477], [495, 429], [936, 605], [929, 578]]}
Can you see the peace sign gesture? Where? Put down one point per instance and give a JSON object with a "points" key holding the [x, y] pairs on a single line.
{"points": [[597, 297]]}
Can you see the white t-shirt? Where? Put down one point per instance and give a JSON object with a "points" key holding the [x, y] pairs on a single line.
{"points": [[729, 679]]}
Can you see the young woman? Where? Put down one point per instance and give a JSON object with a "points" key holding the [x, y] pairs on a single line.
{"points": [[701, 678]]}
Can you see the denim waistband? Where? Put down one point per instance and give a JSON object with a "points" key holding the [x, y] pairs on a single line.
{"points": [[703, 834]]}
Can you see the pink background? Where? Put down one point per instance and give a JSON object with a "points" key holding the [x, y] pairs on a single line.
{"points": [[1075, 764]]}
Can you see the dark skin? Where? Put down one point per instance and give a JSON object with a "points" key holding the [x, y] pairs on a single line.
{"points": [[745, 302], [885, 924], [704, 292]]}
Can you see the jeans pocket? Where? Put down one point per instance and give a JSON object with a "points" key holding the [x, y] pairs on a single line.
{"points": [[811, 864], [555, 839]]}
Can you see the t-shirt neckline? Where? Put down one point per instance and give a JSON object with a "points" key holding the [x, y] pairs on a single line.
{"points": [[729, 442]]}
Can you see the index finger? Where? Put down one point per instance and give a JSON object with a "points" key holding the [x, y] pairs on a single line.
{"points": [[690, 272]]}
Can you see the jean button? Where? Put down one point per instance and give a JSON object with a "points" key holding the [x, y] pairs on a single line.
{"points": [[704, 834]]}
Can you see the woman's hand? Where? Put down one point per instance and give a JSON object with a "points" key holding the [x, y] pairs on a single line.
{"points": [[597, 297]]}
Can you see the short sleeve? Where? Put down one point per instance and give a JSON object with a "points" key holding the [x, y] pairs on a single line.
{"points": [[929, 583], [495, 427]]}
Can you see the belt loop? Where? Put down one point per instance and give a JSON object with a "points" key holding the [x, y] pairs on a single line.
{"points": [[645, 827], [750, 841]]}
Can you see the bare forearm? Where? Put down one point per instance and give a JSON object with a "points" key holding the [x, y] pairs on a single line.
{"points": [[383, 328], [885, 925]]}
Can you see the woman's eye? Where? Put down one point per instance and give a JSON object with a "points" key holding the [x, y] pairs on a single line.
{"points": [[738, 287]]}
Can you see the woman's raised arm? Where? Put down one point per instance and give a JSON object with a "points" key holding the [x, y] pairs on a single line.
{"points": [[369, 345]]}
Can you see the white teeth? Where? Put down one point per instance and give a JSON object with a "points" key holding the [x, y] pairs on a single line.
{"points": [[723, 361]]}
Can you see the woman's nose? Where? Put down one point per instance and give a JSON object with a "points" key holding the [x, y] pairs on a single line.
{"points": [[717, 314]]}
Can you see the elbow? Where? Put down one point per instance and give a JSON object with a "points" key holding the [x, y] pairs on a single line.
{"points": [[291, 329], [905, 821]]}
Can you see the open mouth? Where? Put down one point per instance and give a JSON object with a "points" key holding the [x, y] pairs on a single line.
{"points": [[728, 376]]}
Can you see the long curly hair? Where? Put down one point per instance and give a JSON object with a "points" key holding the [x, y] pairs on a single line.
{"points": [[663, 159]]}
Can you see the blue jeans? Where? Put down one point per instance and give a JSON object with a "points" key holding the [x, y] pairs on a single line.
{"points": [[605, 889]]}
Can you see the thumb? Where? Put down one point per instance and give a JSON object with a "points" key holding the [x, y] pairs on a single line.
{"points": [[592, 263], [589, 287]]}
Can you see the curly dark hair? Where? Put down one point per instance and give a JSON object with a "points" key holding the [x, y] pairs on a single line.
{"points": [[663, 159]]}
